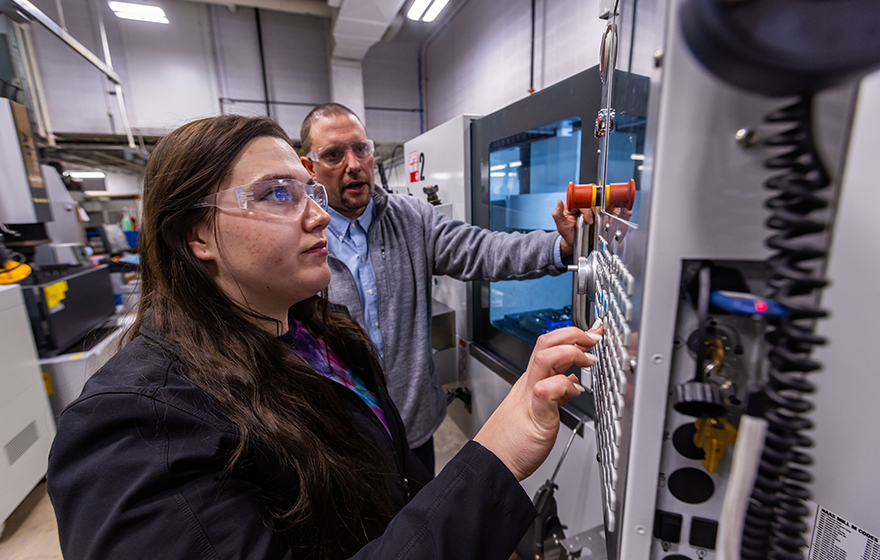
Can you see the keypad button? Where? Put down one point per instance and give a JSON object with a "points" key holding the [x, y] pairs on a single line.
{"points": [[667, 526], [703, 533]]}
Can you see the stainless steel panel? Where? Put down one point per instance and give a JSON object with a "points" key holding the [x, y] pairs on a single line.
{"points": [[701, 197], [16, 206]]}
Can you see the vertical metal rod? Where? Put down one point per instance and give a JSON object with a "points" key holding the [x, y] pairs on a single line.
{"points": [[532, 65], [421, 93], [263, 63], [33, 73], [567, 445], [103, 31], [61, 14], [632, 35], [123, 114], [216, 53], [423, 60], [612, 65]]}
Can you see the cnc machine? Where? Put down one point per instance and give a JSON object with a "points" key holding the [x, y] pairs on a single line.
{"points": [[728, 249]]}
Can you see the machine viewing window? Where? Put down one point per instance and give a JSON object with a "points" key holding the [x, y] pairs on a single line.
{"points": [[626, 149], [528, 173], [523, 157]]}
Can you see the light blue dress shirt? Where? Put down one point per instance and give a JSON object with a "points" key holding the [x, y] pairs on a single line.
{"points": [[348, 241]]}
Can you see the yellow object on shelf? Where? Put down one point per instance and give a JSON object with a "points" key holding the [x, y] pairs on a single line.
{"points": [[13, 271], [55, 294]]}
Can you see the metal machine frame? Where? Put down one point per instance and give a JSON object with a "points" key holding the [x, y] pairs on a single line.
{"points": [[701, 200]]}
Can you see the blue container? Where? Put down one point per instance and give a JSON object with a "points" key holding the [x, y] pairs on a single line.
{"points": [[132, 237]]}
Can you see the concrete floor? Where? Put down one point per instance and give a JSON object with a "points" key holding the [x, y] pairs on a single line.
{"points": [[32, 534]]}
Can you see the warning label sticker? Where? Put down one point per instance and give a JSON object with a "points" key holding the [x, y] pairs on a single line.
{"points": [[835, 538], [412, 166]]}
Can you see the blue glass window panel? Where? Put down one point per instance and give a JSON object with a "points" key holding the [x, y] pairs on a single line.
{"points": [[528, 174]]}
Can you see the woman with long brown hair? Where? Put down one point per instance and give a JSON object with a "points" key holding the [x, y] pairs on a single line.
{"points": [[246, 417]]}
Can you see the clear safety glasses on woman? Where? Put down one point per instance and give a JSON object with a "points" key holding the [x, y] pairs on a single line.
{"points": [[331, 156], [281, 197]]}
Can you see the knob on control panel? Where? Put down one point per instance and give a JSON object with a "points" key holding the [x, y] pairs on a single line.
{"points": [[699, 399]]}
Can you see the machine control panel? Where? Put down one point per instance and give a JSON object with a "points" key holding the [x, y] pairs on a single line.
{"points": [[612, 375]]}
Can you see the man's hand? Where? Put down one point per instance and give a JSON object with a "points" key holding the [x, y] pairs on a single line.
{"points": [[566, 225]]}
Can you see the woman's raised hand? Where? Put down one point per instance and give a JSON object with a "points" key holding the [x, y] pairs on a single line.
{"points": [[522, 430]]}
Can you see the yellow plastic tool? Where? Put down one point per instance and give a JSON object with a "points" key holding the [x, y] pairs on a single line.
{"points": [[713, 436]]}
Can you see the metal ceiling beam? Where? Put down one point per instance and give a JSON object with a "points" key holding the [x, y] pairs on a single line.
{"points": [[32, 13]]}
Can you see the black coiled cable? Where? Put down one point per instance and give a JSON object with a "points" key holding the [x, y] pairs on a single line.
{"points": [[7, 256], [775, 524]]}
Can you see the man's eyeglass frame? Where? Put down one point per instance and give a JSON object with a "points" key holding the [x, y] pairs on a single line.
{"points": [[315, 155]]}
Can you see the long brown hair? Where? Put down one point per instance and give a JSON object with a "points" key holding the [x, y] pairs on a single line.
{"points": [[277, 402]]}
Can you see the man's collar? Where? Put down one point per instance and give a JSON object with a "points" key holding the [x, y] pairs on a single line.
{"points": [[339, 224]]}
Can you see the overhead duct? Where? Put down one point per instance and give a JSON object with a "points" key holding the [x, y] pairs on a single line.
{"points": [[360, 24]]}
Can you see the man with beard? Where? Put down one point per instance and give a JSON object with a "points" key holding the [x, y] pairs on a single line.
{"points": [[384, 250]]}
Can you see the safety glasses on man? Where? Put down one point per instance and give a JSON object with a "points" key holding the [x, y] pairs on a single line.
{"points": [[332, 156], [282, 197]]}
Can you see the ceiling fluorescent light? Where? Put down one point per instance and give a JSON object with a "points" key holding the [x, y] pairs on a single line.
{"points": [[141, 17], [139, 12], [417, 9], [434, 10], [85, 174]]}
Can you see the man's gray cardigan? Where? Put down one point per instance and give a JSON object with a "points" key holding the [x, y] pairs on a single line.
{"points": [[409, 242]]}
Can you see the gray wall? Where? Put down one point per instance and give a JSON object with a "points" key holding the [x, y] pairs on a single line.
{"points": [[391, 88], [206, 61], [295, 49], [480, 61], [167, 71], [205, 58]]}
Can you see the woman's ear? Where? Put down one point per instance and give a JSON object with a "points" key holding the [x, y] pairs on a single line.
{"points": [[201, 242]]}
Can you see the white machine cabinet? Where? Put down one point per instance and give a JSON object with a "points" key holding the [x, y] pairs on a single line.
{"points": [[441, 157], [27, 425]]}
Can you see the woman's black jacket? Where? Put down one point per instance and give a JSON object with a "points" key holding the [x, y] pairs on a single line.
{"points": [[136, 472]]}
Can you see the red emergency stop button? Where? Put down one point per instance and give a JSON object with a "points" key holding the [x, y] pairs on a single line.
{"points": [[617, 195]]}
